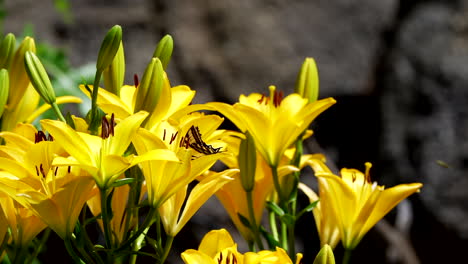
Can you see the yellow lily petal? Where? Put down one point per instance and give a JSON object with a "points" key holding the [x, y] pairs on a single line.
{"points": [[193, 256], [199, 195], [124, 132], [76, 146], [215, 241]]}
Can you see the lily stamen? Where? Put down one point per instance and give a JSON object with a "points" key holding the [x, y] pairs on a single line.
{"points": [[107, 128], [135, 80]]}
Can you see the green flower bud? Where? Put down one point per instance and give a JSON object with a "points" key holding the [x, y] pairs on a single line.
{"points": [[164, 50], [19, 79], [114, 74], [109, 47], [39, 78], [4, 89], [325, 256], [150, 88], [307, 83], [247, 162], [7, 49]]}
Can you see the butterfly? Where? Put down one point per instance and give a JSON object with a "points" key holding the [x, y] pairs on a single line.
{"points": [[193, 139]]}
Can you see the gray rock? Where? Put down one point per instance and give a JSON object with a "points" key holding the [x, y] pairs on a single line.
{"points": [[425, 114]]}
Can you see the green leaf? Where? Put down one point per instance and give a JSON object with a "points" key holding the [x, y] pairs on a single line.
{"points": [[272, 242], [121, 182], [288, 219], [69, 120], [273, 207], [244, 221], [308, 208]]}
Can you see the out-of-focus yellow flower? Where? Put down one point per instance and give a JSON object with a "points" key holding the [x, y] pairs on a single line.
{"points": [[101, 156], [358, 203], [24, 225], [56, 195], [172, 217], [217, 247], [274, 122]]}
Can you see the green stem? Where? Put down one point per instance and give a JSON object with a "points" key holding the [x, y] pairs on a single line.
{"points": [[347, 256], [71, 252], [292, 243], [58, 112], [274, 172], [167, 248], [253, 221], [94, 109], [284, 236], [148, 221], [105, 218], [274, 228], [137, 245]]}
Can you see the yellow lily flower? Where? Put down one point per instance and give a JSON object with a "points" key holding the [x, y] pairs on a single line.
{"points": [[172, 218], [23, 224], [233, 196], [274, 122], [102, 157], [217, 247], [165, 178], [56, 195], [358, 204]]}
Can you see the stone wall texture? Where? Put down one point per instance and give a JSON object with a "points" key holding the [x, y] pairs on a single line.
{"points": [[398, 69]]}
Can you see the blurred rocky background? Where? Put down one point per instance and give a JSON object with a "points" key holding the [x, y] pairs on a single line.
{"points": [[398, 69]]}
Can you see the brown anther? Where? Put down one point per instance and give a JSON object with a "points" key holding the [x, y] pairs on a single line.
{"points": [[135, 80], [107, 128], [37, 171], [39, 136], [260, 101], [41, 169], [353, 176], [69, 169], [228, 259], [220, 259], [55, 171], [173, 137], [164, 135], [277, 98], [234, 260]]}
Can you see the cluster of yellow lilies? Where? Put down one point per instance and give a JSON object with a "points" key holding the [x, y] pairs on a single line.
{"points": [[127, 166]]}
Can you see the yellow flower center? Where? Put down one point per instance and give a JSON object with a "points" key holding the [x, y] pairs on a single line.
{"points": [[275, 97]]}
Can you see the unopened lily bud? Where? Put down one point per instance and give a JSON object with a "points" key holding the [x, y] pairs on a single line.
{"points": [[150, 88], [7, 49], [307, 83], [109, 47], [247, 162], [164, 50], [4, 89], [19, 79], [325, 256], [39, 78], [115, 73]]}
